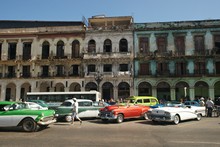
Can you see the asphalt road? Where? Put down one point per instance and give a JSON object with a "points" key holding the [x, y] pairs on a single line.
{"points": [[131, 133]]}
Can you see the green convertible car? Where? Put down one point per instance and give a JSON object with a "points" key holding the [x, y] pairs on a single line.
{"points": [[14, 114]]}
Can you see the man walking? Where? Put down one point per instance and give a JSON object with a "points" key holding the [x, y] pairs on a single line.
{"points": [[75, 111], [209, 106]]}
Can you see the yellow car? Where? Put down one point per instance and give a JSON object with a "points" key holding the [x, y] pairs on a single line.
{"points": [[142, 100]]}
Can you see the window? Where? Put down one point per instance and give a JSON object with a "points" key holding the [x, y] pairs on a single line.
{"points": [[162, 44], [107, 46], [12, 51], [123, 67], [180, 45], [75, 70], [11, 71], [91, 68], [123, 45], [26, 51], [146, 100], [144, 69], [92, 46], [75, 49], [107, 68], [200, 68], [60, 49], [217, 43], [181, 68], [45, 71], [139, 101], [143, 45], [199, 44], [162, 68], [26, 71], [45, 50], [60, 69]]}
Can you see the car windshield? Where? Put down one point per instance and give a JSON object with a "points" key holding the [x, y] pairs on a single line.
{"points": [[66, 104], [16, 106]]}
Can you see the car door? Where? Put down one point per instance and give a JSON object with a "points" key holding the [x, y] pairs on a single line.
{"points": [[5, 119], [86, 109]]}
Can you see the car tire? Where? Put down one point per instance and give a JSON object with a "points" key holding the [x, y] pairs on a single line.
{"points": [[199, 117], [29, 125], [120, 118], [68, 118], [145, 116], [176, 119]]}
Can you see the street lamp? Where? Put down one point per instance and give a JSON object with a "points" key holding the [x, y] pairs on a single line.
{"points": [[98, 78]]}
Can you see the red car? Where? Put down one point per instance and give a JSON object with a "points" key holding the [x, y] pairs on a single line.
{"points": [[121, 112]]}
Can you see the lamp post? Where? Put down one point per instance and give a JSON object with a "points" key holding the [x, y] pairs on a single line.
{"points": [[98, 78]]}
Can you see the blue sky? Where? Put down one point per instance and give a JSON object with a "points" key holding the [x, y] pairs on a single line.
{"points": [[141, 10]]}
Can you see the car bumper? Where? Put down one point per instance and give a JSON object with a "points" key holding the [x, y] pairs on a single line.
{"points": [[47, 122], [108, 116], [160, 118]]}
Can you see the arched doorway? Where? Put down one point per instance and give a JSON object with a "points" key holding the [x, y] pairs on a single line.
{"points": [[163, 91], [107, 91], [75, 87], [59, 87], [123, 90], [10, 92], [144, 89], [26, 87], [91, 86], [182, 91], [201, 89]]}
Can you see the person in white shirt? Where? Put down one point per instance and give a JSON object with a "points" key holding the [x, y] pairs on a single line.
{"points": [[209, 106], [75, 111]]}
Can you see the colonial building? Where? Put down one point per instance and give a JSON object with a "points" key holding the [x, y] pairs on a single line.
{"points": [[40, 56], [108, 56], [175, 60]]}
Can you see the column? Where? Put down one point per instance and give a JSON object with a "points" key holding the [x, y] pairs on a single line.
{"points": [[18, 92], [189, 44], [191, 93], [212, 92], [154, 91], [3, 91], [172, 93]]}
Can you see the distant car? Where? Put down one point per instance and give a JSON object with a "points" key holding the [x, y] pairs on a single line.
{"points": [[35, 106], [121, 112], [191, 103], [87, 109], [168, 104], [142, 100], [13, 114], [176, 114]]}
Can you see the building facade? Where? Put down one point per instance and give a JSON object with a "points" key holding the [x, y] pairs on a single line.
{"points": [[40, 56], [175, 60], [108, 56], [114, 55]]}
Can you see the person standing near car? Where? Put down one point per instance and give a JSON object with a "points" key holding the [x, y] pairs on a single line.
{"points": [[209, 106], [75, 111]]}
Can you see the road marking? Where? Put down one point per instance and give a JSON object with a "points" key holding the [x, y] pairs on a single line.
{"points": [[194, 142]]}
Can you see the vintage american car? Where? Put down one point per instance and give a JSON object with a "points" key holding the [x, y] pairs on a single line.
{"points": [[86, 109], [13, 114], [121, 112], [176, 114]]}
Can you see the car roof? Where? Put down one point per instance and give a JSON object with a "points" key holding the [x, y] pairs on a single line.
{"points": [[79, 100], [137, 97]]}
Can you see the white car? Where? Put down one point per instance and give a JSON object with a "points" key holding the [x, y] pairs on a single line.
{"points": [[176, 114], [35, 106]]}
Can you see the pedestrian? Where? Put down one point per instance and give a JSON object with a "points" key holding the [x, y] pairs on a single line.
{"points": [[209, 106], [201, 102], [75, 111]]}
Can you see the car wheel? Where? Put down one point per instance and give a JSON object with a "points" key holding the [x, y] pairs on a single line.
{"points": [[29, 125], [176, 119], [120, 118], [68, 118], [145, 116], [43, 127], [199, 117]]}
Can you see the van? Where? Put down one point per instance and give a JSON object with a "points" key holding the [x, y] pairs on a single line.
{"points": [[143, 100]]}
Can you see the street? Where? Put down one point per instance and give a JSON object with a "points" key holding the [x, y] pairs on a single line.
{"points": [[134, 132]]}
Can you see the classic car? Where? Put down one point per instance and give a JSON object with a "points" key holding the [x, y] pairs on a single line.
{"points": [[176, 114], [86, 109], [121, 112], [14, 114], [142, 100]]}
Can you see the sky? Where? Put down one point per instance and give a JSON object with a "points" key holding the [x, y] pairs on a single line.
{"points": [[142, 11]]}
